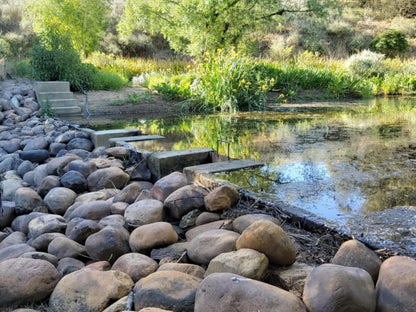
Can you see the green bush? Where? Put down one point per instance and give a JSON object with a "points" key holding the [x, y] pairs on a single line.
{"points": [[390, 42], [229, 82], [54, 58], [106, 80], [22, 68], [4, 48], [366, 64]]}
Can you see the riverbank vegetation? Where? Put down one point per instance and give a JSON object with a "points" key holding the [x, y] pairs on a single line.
{"points": [[210, 56]]}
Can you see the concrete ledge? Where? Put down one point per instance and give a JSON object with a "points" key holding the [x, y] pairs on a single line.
{"points": [[136, 138], [193, 172], [102, 137], [163, 163]]}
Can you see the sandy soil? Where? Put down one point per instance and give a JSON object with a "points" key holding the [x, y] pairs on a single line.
{"points": [[150, 105]]}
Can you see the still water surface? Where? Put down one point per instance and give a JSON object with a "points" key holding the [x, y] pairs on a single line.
{"points": [[333, 160]]}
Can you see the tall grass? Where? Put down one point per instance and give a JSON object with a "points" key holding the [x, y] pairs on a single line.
{"points": [[131, 67]]}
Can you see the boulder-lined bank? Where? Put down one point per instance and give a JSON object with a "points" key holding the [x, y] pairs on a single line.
{"points": [[85, 228]]}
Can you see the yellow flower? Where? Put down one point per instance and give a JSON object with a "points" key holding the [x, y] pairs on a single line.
{"points": [[234, 90], [281, 95], [284, 101]]}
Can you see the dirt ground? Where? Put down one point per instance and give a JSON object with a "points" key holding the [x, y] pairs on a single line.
{"points": [[147, 104]]}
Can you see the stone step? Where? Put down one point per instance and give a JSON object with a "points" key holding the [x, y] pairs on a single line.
{"points": [[102, 137], [164, 163], [42, 96], [194, 172], [52, 86], [68, 110], [61, 103], [137, 138]]}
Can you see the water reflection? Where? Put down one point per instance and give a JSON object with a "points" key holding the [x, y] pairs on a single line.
{"points": [[330, 162]]}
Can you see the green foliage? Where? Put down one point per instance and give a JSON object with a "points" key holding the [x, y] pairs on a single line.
{"points": [[22, 68], [195, 27], [229, 82], [366, 64], [177, 87], [106, 80], [390, 42], [54, 58], [84, 21], [4, 48], [131, 67]]}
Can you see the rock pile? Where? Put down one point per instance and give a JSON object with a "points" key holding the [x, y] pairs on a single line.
{"points": [[80, 233]]}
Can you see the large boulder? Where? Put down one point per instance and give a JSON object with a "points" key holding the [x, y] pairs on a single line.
{"points": [[221, 198], [8, 214], [129, 193], [244, 221], [223, 292], [187, 268], [210, 244], [13, 239], [14, 251], [112, 177], [94, 210], [25, 280], [149, 236], [108, 244], [184, 199], [80, 143], [332, 288], [396, 285], [47, 223], [48, 183], [135, 265], [79, 229], [245, 262], [270, 239], [89, 290], [75, 181], [168, 184], [28, 200], [56, 165], [167, 290], [63, 247], [36, 144], [59, 199], [353, 253], [144, 212], [42, 242], [68, 265]]}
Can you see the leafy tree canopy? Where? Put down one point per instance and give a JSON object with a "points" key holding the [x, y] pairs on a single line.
{"points": [[196, 26], [83, 20]]}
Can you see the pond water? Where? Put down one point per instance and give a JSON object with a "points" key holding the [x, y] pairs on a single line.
{"points": [[334, 160]]}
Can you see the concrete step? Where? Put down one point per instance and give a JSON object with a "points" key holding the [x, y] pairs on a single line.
{"points": [[54, 95], [137, 138], [52, 86], [68, 110], [62, 103], [164, 163], [102, 137], [194, 172]]}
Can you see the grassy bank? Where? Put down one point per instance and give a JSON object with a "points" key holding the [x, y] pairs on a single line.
{"points": [[229, 82]]}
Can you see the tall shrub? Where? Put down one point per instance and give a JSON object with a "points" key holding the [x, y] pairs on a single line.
{"points": [[366, 64], [390, 42], [54, 58], [229, 82]]}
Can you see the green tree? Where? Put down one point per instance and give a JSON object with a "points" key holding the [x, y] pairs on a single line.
{"points": [[196, 26], [390, 42], [83, 20]]}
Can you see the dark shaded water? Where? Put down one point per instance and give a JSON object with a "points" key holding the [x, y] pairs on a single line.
{"points": [[331, 160]]}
